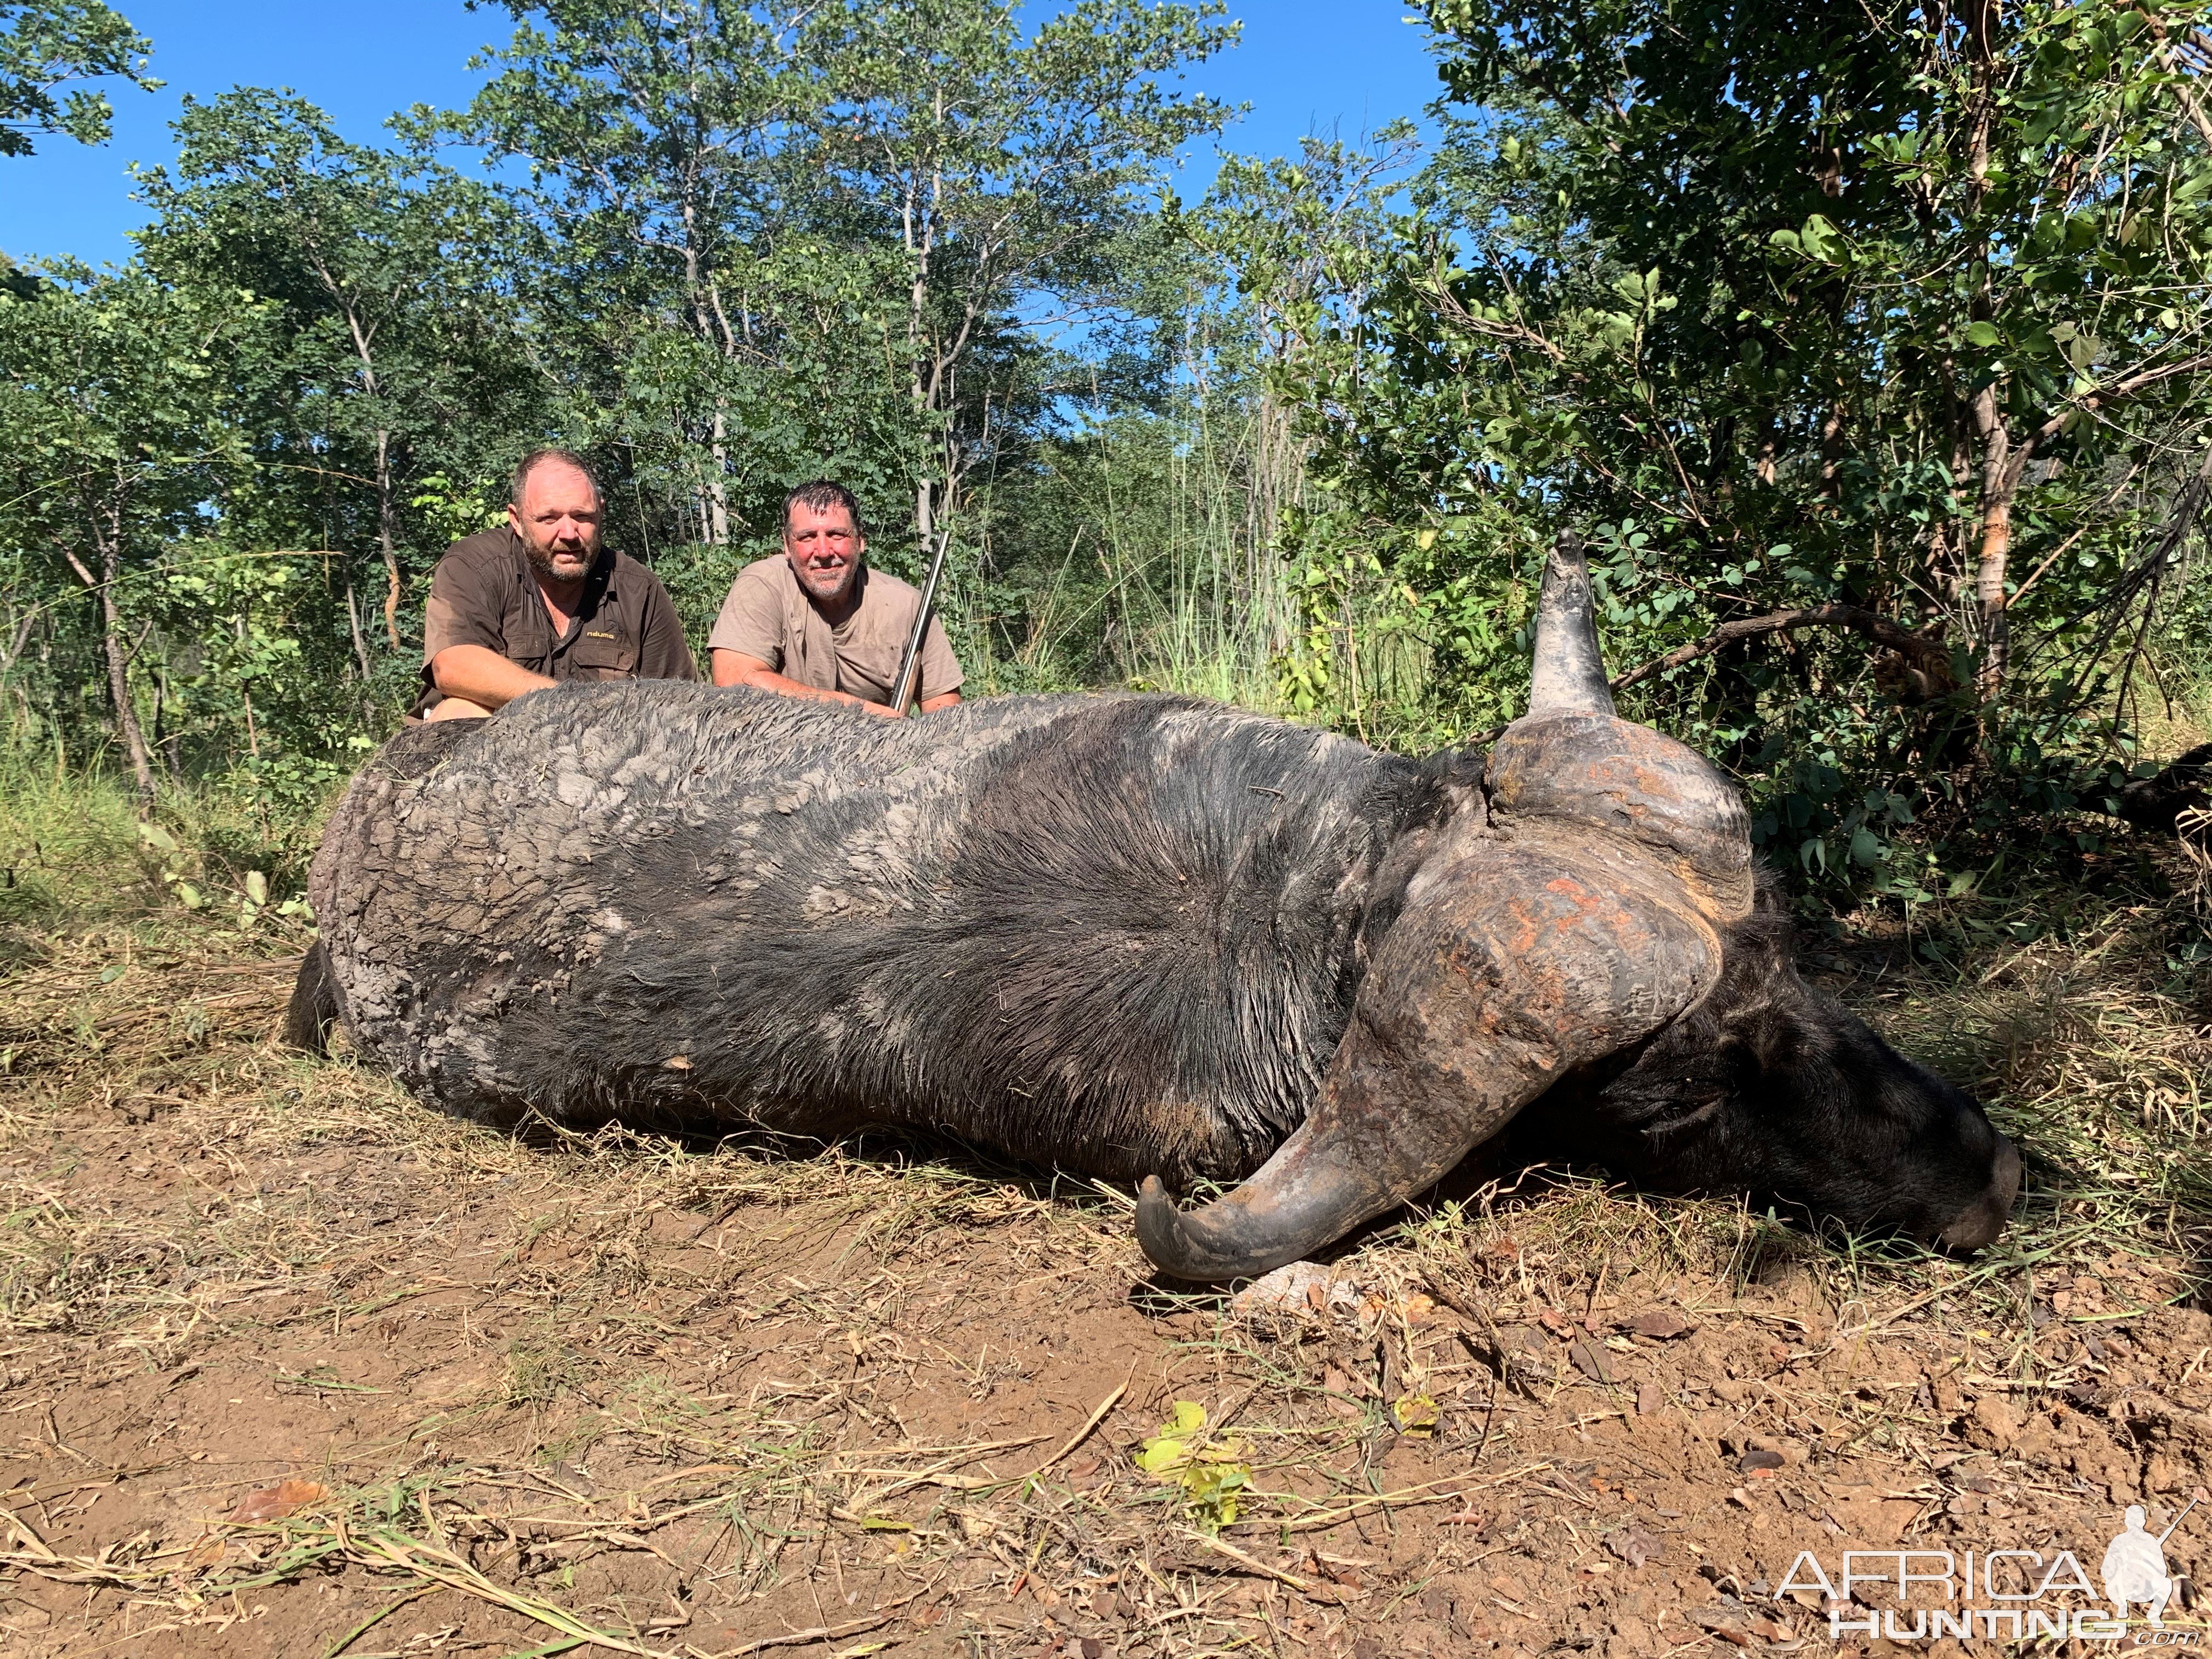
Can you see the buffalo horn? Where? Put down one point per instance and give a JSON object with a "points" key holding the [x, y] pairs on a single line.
{"points": [[1317, 1188], [1569, 677]]}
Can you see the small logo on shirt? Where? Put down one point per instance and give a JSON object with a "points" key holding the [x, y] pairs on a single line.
{"points": [[591, 634]]}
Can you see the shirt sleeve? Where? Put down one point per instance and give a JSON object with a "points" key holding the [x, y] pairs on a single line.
{"points": [[750, 622], [663, 653], [466, 605], [940, 669]]}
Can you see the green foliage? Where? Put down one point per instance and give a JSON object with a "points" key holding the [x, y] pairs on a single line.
{"points": [[215, 860], [1782, 313], [1212, 1475], [46, 43], [117, 394]]}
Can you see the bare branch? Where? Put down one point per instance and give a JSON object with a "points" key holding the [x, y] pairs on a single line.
{"points": [[1926, 654]]}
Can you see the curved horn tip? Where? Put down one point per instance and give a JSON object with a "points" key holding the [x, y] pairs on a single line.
{"points": [[1568, 675], [1171, 1244]]}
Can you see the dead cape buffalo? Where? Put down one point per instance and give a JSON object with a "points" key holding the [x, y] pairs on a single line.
{"points": [[1134, 936]]}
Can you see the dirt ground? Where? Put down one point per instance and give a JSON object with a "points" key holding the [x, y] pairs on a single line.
{"points": [[293, 1366]]}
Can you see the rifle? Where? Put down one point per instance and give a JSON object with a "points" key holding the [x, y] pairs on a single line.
{"points": [[2179, 1518], [902, 688]]}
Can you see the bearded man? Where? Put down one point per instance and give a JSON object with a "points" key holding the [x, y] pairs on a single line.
{"points": [[817, 622], [538, 600]]}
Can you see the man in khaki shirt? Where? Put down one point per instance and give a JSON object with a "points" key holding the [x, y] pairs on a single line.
{"points": [[538, 601], [819, 623]]}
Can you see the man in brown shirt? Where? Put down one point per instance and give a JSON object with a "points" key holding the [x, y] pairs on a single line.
{"points": [[817, 622], [539, 601]]}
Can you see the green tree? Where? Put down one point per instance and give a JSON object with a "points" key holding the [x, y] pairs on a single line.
{"points": [[1012, 174], [119, 397], [395, 329], [1823, 325], [1870, 278], [858, 217], [46, 43], [654, 141]]}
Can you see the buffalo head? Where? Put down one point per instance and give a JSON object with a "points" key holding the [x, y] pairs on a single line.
{"points": [[1771, 1088], [1597, 902]]}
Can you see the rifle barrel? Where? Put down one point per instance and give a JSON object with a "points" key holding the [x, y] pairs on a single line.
{"points": [[2177, 1520], [910, 664]]}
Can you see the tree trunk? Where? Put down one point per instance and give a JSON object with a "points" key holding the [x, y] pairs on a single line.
{"points": [[718, 497], [385, 515], [359, 653], [2000, 476], [118, 663], [1994, 531]]}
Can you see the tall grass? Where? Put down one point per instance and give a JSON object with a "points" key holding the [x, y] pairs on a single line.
{"points": [[74, 845], [1169, 552]]}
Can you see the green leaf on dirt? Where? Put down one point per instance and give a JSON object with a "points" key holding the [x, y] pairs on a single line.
{"points": [[1170, 1448], [1211, 1474]]}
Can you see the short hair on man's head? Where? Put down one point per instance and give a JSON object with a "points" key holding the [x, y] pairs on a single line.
{"points": [[538, 458], [822, 494]]}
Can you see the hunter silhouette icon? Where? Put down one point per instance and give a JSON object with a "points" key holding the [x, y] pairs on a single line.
{"points": [[2134, 1568]]}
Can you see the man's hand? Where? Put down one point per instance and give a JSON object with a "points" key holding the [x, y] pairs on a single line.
{"points": [[735, 668], [481, 675]]}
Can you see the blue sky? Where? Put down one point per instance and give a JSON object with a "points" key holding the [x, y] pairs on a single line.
{"points": [[1327, 66]]}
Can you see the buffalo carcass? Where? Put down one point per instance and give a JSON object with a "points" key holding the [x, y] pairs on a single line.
{"points": [[1137, 937]]}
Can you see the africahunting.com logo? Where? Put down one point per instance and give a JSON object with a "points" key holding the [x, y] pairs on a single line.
{"points": [[2009, 1593]]}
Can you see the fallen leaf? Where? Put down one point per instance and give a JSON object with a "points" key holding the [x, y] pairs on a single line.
{"points": [[1589, 1360], [1336, 1569], [1416, 1414], [1649, 1398], [1634, 1546], [1661, 1324], [1724, 1627], [274, 1503], [206, 1552]]}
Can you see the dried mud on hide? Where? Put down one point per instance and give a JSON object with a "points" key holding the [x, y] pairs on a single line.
{"points": [[294, 1367]]}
